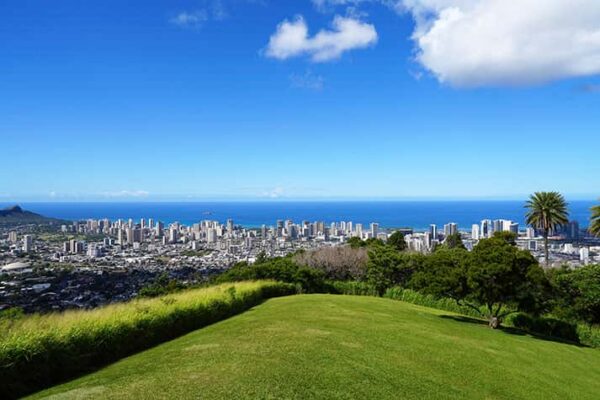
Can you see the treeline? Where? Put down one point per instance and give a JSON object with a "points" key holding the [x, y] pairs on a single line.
{"points": [[496, 281]]}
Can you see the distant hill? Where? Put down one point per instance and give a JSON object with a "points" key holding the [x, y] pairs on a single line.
{"points": [[15, 215]]}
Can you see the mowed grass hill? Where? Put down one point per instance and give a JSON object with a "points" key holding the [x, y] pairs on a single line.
{"points": [[346, 347]]}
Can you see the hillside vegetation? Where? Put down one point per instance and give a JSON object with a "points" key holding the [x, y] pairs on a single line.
{"points": [[326, 346], [40, 350]]}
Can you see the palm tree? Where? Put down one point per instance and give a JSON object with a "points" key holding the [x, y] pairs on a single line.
{"points": [[547, 212], [595, 221]]}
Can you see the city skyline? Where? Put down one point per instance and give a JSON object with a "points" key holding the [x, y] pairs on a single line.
{"points": [[321, 99]]}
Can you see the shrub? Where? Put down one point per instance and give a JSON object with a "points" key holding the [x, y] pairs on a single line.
{"points": [[351, 288], [283, 269], [544, 326], [41, 350]]}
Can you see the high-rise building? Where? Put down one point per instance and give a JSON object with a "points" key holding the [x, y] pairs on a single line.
{"points": [[530, 233], [12, 236], [450, 229], [159, 228], [359, 230], [433, 231], [27, 243], [374, 229], [230, 226], [475, 232], [173, 235], [486, 229]]}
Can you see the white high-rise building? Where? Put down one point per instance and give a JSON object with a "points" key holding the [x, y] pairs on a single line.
{"points": [[584, 255], [450, 229], [27, 243], [433, 231], [530, 233], [486, 229], [475, 232]]}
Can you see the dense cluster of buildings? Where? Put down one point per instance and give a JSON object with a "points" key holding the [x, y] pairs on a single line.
{"points": [[111, 260]]}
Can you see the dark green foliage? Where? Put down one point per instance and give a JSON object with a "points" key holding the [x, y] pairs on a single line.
{"points": [[508, 237], [396, 240], [356, 242], [353, 288], [387, 267], [544, 326], [161, 286], [495, 274], [499, 274], [443, 274], [453, 241], [577, 294], [282, 269]]}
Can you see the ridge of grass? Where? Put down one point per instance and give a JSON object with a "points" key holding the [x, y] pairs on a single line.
{"points": [[342, 347], [40, 350]]}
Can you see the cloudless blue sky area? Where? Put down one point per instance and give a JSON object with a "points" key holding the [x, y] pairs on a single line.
{"points": [[110, 99]]}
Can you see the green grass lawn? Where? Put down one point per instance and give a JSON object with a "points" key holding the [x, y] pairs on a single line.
{"points": [[345, 347]]}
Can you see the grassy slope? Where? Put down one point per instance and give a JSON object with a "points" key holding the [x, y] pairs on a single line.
{"points": [[324, 346]]}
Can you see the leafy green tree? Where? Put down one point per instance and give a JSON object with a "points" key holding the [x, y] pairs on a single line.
{"points": [[443, 274], [396, 240], [595, 221], [503, 279], [495, 275], [261, 258], [387, 267], [356, 242], [454, 241], [547, 211], [577, 294]]}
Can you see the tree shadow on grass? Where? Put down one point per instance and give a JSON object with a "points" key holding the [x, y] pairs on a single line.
{"points": [[514, 331]]}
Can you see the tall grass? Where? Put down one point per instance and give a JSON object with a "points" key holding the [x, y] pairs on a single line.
{"points": [[40, 350]]}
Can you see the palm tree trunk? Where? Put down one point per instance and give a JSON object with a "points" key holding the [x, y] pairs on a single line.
{"points": [[546, 249]]}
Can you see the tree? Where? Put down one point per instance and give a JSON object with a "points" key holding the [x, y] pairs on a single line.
{"points": [[595, 221], [547, 212], [387, 267], [503, 279], [577, 294], [396, 240], [495, 279], [454, 241]]}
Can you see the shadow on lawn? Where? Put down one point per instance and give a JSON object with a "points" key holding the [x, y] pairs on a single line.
{"points": [[514, 331]]}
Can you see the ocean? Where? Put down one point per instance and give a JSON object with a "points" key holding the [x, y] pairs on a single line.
{"points": [[389, 214]]}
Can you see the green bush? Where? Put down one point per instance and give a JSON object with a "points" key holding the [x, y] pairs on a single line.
{"points": [[40, 350], [544, 326], [427, 300], [283, 269], [353, 288]]}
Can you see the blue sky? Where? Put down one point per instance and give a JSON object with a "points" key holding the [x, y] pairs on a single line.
{"points": [[179, 100]]}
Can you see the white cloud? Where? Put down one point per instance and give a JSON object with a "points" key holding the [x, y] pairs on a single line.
{"points": [[308, 80], [193, 19], [291, 39], [471, 43]]}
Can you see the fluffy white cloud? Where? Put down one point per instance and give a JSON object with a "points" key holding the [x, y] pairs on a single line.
{"points": [[470, 43], [291, 39]]}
